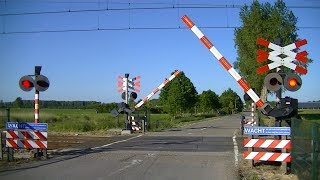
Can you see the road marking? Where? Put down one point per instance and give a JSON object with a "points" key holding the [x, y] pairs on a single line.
{"points": [[235, 147], [106, 145], [132, 163]]}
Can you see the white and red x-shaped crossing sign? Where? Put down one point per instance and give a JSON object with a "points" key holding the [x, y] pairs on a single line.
{"points": [[278, 61]]}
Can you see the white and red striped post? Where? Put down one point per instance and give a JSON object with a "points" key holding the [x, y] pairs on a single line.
{"points": [[243, 84], [36, 107], [253, 108], [175, 74]]}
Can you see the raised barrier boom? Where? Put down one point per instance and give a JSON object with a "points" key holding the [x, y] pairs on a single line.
{"points": [[175, 74]]}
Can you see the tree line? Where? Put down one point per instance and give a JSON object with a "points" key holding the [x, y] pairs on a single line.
{"points": [[176, 98]]}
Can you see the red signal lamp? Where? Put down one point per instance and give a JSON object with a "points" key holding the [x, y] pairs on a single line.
{"points": [[26, 83], [292, 82]]}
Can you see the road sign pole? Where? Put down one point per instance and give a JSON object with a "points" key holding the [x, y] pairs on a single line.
{"points": [[8, 114]]}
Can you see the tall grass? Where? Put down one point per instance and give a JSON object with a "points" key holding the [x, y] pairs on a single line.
{"points": [[78, 120]]}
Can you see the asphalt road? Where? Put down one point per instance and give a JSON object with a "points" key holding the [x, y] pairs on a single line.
{"points": [[202, 150]]}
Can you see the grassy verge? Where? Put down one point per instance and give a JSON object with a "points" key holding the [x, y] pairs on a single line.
{"points": [[79, 120], [311, 115]]}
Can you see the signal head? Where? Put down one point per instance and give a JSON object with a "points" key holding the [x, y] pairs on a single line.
{"points": [[41, 83], [133, 96], [273, 81], [26, 83], [292, 82]]}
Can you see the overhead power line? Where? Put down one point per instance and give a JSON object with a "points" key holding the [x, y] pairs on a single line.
{"points": [[125, 29], [173, 6]]}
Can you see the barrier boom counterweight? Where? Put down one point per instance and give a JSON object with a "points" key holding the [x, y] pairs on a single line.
{"points": [[176, 73], [244, 85]]}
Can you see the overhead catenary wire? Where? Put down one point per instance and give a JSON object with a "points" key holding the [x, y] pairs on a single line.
{"points": [[130, 8], [125, 29], [174, 6]]}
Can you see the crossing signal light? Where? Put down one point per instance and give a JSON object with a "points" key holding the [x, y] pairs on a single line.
{"points": [[273, 81], [26, 83], [41, 83], [133, 96], [292, 82]]}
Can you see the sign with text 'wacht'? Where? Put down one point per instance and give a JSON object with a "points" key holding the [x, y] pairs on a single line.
{"points": [[284, 131], [26, 126]]}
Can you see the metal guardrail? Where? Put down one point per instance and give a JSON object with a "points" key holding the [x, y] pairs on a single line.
{"points": [[306, 149]]}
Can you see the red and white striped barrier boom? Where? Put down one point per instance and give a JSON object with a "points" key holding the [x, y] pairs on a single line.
{"points": [[267, 156], [267, 143], [244, 85], [176, 73]]}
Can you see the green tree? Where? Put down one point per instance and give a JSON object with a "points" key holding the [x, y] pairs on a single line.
{"points": [[268, 22], [18, 102], [228, 100], [208, 101], [179, 95]]}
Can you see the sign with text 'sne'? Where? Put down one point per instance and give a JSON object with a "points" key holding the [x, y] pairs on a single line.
{"points": [[283, 131], [26, 126]]}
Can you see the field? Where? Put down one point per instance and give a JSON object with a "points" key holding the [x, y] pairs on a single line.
{"points": [[310, 115], [87, 120]]}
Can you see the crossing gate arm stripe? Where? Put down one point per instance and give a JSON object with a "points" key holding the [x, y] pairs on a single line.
{"points": [[245, 86], [234, 74], [196, 31], [216, 53], [206, 42], [187, 21], [225, 63], [253, 95]]}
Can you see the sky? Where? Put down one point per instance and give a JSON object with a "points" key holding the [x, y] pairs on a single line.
{"points": [[143, 38]]}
